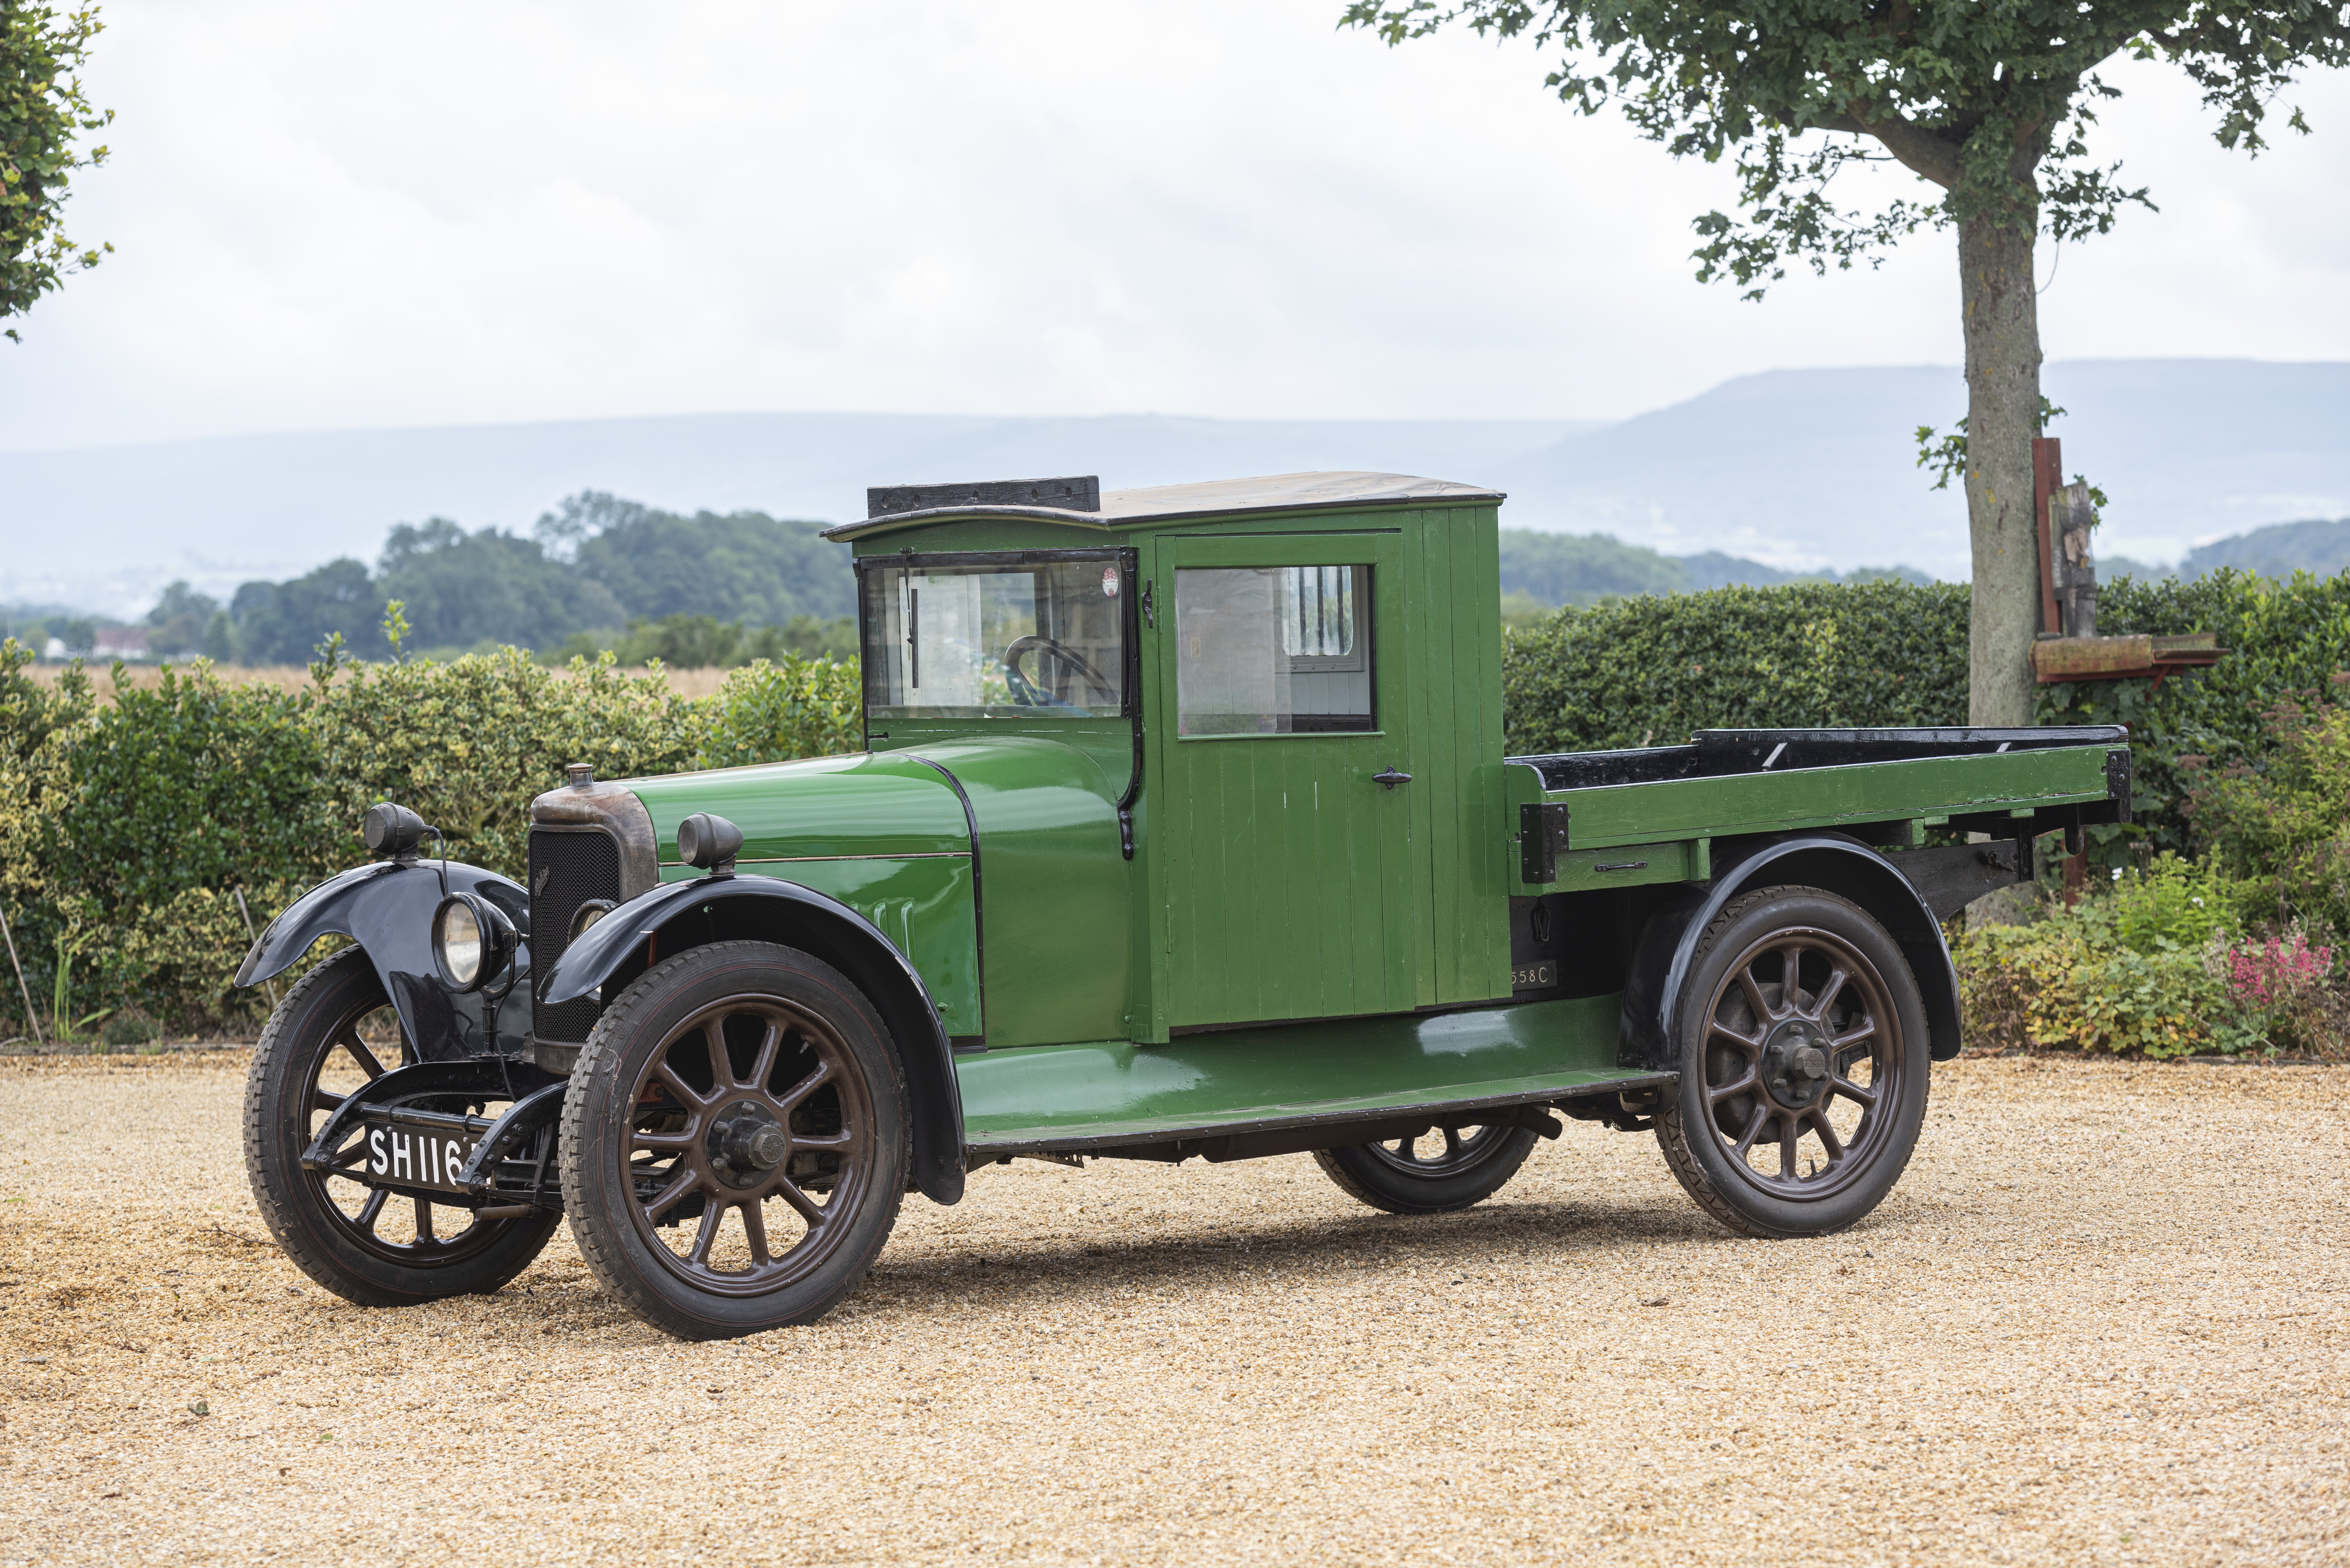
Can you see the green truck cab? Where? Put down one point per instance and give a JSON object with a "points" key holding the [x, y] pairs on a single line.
{"points": [[1184, 829]]}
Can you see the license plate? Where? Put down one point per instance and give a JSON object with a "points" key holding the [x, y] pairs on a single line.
{"points": [[1533, 976], [417, 1157]]}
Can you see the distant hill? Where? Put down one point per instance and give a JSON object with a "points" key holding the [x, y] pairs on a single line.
{"points": [[1794, 471], [2277, 551], [1553, 569], [108, 527], [1816, 468]]}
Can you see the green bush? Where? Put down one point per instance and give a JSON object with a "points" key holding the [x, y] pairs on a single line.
{"points": [[2282, 828], [1648, 672], [127, 828], [466, 745], [768, 712], [2137, 968], [2286, 643]]}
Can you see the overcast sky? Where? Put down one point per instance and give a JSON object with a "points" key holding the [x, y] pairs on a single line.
{"points": [[333, 215]]}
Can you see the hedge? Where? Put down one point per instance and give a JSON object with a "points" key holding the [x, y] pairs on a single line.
{"points": [[1650, 670], [2287, 644], [128, 827]]}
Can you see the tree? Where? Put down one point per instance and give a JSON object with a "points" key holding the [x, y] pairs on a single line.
{"points": [[745, 566], [220, 643], [463, 589], [180, 619], [78, 633], [282, 623], [42, 109], [1991, 106]]}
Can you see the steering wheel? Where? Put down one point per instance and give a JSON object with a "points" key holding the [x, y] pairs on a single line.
{"points": [[1027, 693]]}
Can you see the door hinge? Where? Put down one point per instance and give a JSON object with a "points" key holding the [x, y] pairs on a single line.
{"points": [[1542, 837]]}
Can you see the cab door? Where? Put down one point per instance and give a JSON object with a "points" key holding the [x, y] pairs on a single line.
{"points": [[1285, 801]]}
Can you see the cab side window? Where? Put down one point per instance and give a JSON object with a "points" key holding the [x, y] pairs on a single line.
{"points": [[1273, 651]]}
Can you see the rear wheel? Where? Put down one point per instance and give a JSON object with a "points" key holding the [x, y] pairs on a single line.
{"points": [[1440, 1170], [1802, 1066], [734, 1143], [336, 1031]]}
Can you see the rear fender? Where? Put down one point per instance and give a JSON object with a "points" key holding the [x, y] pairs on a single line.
{"points": [[1845, 866], [681, 915], [387, 909]]}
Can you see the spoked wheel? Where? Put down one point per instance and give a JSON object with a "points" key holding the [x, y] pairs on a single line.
{"points": [[1442, 1170], [1804, 1065], [734, 1142], [335, 1031]]}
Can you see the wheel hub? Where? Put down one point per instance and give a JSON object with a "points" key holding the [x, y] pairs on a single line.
{"points": [[746, 1143], [1795, 1064]]}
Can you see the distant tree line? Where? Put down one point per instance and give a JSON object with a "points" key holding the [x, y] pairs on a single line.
{"points": [[597, 573], [1541, 572], [708, 590]]}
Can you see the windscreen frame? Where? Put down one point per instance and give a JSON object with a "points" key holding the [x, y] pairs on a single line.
{"points": [[1127, 559]]}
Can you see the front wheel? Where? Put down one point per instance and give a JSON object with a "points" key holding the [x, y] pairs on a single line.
{"points": [[735, 1141], [1440, 1170], [1802, 1066], [335, 1032]]}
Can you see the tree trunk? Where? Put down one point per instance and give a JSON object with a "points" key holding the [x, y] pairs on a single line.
{"points": [[2002, 329]]}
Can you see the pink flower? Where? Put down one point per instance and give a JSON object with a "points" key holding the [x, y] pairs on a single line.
{"points": [[2274, 972]]}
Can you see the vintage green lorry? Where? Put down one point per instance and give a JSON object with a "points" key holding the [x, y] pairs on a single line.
{"points": [[1184, 829]]}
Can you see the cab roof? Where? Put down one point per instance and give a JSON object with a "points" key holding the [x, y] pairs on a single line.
{"points": [[1117, 509]]}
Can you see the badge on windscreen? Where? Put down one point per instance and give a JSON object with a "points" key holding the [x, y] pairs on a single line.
{"points": [[1109, 582]]}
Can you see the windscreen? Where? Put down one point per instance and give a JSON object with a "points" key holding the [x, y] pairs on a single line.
{"points": [[1026, 638]]}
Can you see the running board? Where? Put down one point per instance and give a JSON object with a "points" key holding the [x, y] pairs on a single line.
{"points": [[1292, 1086]]}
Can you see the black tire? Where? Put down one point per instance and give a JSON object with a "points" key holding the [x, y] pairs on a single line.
{"points": [[677, 1182], [1467, 1165], [345, 1235], [1753, 1064]]}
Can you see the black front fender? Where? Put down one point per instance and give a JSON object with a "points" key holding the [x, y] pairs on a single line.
{"points": [[681, 915], [1660, 964], [387, 909]]}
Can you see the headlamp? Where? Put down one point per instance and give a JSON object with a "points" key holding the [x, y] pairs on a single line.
{"points": [[473, 941]]}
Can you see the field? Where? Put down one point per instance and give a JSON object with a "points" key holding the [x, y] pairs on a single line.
{"points": [[2101, 1320]]}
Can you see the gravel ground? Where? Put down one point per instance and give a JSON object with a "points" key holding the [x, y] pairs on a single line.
{"points": [[2102, 1320]]}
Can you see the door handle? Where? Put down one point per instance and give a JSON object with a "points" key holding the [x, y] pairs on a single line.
{"points": [[1390, 778]]}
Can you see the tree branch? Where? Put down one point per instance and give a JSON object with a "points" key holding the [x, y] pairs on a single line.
{"points": [[1922, 152]]}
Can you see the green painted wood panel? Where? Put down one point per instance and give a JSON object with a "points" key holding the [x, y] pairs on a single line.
{"points": [[1824, 797], [1119, 1088], [1475, 927], [1286, 869]]}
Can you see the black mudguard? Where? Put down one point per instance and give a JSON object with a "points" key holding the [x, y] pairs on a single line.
{"points": [[681, 915], [1650, 1019], [387, 909]]}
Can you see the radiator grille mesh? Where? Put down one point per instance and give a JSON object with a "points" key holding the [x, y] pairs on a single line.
{"points": [[567, 869]]}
